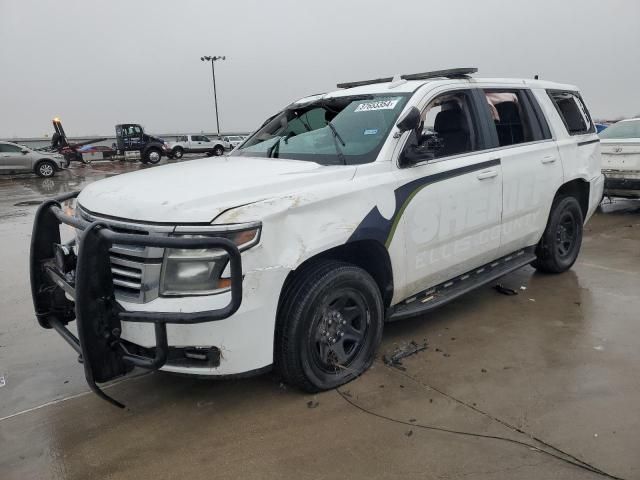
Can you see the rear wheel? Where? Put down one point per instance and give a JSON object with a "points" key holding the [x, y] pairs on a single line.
{"points": [[45, 169], [152, 155], [560, 244], [329, 326]]}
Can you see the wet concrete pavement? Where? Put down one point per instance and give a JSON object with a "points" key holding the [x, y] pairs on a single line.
{"points": [[558, 362]]}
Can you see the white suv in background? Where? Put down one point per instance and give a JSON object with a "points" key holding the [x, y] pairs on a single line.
{"points": [[234, 140], [372, 203]]}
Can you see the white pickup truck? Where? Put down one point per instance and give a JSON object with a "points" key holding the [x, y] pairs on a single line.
{"points": [[198, 144], [378, 201]]}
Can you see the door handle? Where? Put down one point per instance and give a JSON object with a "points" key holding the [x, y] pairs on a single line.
{"points": [[548, 159], [487, 174]]}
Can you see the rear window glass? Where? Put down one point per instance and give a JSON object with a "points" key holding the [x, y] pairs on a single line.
{"points": [[573, 112], [628, 129]]}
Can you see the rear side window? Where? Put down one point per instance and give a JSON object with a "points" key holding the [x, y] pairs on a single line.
{"points": [[513, 117], [573, 112]]}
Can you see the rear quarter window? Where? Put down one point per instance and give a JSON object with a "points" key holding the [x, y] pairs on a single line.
{"points": [[573, 112]]}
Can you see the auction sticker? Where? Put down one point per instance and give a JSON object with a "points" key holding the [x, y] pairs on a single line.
{"points": [[387, 104]]}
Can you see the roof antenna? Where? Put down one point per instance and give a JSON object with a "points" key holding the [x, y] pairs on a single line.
{"points": [[396, 80], [535, 77]]}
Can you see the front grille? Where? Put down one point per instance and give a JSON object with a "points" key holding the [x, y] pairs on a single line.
{"points": [[135, 269], [127, 275]]}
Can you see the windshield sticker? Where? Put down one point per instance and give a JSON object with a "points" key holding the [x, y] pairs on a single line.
{"points": [[371, 131], [379, 105]]}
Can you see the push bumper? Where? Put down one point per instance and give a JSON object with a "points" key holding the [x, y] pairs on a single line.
{"points": [[66, 288]]}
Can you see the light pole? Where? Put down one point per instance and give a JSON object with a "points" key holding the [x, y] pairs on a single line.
{"points": [[213, 74]]}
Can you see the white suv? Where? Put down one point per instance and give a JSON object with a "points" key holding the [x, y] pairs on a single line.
{"points": [[375, 202]]}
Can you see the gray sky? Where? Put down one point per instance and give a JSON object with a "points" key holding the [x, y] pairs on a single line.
{"points": [[95, 64]]}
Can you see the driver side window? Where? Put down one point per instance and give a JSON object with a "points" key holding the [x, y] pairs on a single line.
{"points": [[448, 128]]}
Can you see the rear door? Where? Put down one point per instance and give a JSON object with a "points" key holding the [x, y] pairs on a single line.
{"points": [[531, 166], [197, 143]]}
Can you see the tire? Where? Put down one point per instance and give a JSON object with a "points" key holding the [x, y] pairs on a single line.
{"points": [[178, 153], [45, 169], [152, 155], [560, 244], [218, 150], [209, 154], [85, 161], [316, 351]]}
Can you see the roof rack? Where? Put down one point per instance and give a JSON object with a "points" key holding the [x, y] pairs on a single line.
{"points": [[449, 73]]}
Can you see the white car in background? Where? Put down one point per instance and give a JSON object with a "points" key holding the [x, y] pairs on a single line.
{"points": [[620, 145], [18, 158], [198, 144], [234, 140]]}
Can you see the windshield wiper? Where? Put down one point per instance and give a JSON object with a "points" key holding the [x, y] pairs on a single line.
{"points": [[336, 136]]}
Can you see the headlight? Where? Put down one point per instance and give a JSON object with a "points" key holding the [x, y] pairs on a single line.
{"points": [[199, 271]]}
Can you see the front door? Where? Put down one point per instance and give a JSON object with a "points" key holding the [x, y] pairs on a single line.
{"points": [[451, 202]]}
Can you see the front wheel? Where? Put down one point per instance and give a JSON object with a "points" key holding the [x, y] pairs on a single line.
{"points": [[178, 153], [218, 151], [329, 326], [45, 169], [560, 244], [152, 156]]}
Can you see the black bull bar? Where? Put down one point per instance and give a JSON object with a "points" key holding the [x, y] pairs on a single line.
{"points": [[97, 313]]}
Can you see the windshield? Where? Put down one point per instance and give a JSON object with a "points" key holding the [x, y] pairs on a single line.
{"points": [[301, 132], [628, 129]]}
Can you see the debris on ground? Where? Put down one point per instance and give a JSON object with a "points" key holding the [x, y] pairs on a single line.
{"points": [[522, 287], [412, 420], [504, 290], [483, 370], [312, 404], [3, 382], [409, 433], [403, 351]]}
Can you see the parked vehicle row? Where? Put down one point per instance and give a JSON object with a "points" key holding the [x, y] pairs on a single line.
{"points": [[375, 202]]}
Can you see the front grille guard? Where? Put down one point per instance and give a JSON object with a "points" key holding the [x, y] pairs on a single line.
{"points": [[95, 308]]}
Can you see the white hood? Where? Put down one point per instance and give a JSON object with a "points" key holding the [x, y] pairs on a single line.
{"points": [[197, 191]]}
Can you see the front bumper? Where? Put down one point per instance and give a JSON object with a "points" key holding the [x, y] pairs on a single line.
{"points": [[68, 288]]}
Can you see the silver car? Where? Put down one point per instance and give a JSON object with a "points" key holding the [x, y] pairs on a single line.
{"points": [[18, 158]]}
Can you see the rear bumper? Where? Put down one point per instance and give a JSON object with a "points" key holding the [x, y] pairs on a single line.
{"points": [[66, 288], [619, 183]]}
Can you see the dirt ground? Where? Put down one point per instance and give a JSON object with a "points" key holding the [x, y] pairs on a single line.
{"points": [[556, 367]]}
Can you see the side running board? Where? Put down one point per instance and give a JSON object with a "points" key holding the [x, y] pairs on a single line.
{"points": [[447, 291]]}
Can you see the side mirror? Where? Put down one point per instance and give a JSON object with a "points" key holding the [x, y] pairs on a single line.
{"points": [[24, 151], [410, 120]]}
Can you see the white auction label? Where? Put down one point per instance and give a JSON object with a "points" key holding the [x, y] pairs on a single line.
{"points": [[389, 104]]}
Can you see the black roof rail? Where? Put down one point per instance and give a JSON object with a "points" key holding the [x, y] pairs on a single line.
{"points": [[449, 73]]}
